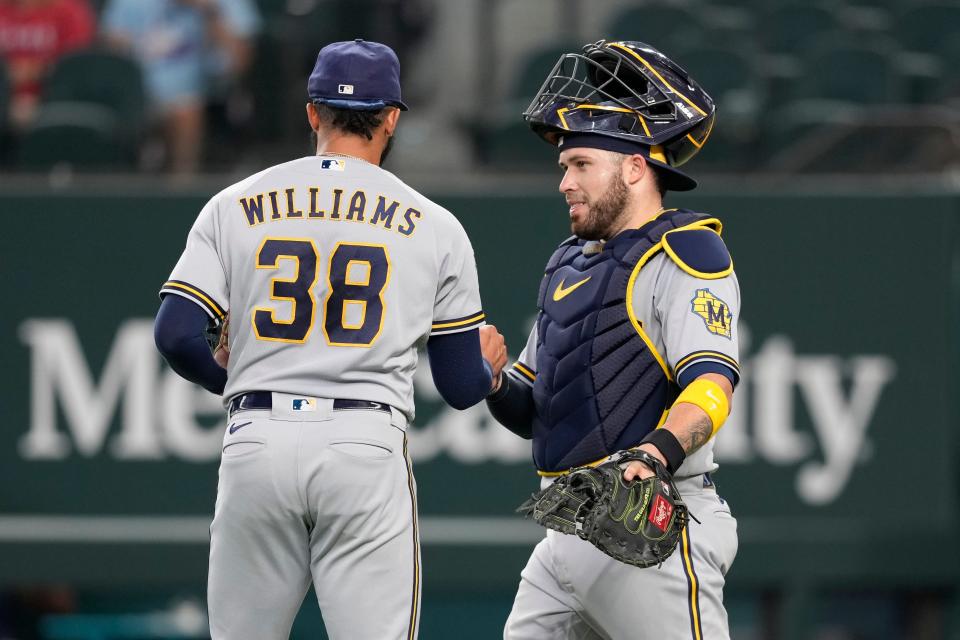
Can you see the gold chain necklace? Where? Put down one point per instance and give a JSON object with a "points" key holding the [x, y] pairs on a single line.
{"points": [[342, 155]]}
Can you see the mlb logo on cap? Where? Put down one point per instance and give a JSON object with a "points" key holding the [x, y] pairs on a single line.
{"points": [[358, 75], [304, 404]]}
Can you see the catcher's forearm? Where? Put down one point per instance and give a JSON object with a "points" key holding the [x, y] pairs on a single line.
{"points": [[695, 417], [687, 428], [690, 425], [512, 406]]}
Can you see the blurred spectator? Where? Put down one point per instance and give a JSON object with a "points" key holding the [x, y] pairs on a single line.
{"points": [[34, 34], [186, 47]]}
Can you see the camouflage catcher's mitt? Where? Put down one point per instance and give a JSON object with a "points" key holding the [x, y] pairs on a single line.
{"points": [[637, 522]]}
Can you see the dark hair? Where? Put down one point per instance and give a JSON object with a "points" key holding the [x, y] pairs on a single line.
{"points": [[358, 123], [658, 180]]}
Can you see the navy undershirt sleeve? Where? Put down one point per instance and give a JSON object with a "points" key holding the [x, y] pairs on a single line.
{"points": [[512, 406], [179, 334], [460, 373], [696, 370]]}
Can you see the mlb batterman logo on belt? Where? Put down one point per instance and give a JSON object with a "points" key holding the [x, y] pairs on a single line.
{"points": [[304, 404]]}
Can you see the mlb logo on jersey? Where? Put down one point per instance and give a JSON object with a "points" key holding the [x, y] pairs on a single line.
{"points": [[304, 404], [345, 89], [333, 165]]}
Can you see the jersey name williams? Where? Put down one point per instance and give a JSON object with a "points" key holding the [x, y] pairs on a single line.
{"points": [[336, 205]]}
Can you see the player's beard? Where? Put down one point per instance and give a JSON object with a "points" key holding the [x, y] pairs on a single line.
{"points": [[386, 150], [607, 214]]}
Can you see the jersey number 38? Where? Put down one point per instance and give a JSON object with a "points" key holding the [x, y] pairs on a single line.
{"points": [[357, 275]]}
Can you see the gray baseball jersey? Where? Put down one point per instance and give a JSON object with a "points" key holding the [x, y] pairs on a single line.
{"points": [[672, 307], [570, 589], [333, 271]]}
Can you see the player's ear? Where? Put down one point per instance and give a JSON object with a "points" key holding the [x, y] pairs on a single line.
{"points": [[634, 168], [390, 121], [312, 117]]}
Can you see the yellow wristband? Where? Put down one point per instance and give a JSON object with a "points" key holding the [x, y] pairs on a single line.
{"points": [[707, 395]]}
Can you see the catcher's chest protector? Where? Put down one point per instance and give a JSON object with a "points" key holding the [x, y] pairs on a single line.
{"points": [[599, 388]]}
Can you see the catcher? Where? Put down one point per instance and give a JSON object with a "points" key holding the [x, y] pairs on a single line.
{"points": [[630, 368]]}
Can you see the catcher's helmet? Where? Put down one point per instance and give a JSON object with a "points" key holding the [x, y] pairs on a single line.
{"points": [[632, 93]]}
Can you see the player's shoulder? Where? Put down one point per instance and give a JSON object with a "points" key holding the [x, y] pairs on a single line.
{"points": [[423, 201], [699, 250], [248, 184], [428, 207]]}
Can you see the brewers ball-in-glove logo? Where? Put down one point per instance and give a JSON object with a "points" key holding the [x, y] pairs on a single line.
{"points": [[714, 311]]}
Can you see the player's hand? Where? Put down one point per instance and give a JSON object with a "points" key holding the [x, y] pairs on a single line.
{"points": [[637, 469], [222, 353], [494, 351]]}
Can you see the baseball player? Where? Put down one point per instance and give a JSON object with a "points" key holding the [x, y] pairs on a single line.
{"points": [[332, 271], [635, 346]]}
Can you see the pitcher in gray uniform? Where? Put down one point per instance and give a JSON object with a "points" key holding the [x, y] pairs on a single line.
{"points": [[333, 272], [635, 346]]}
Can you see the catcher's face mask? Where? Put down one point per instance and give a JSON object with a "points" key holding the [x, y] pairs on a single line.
{"points": [[624, 90]]}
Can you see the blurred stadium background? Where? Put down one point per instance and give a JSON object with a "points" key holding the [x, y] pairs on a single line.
{"points": [[835, 165]]}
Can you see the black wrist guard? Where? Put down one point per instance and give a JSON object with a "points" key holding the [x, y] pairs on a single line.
{"points": [[669, 446]]}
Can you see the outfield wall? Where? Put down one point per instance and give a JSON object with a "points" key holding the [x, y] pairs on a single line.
{"points": [[842, 444]]}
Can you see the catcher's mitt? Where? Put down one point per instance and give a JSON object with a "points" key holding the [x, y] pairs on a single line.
{"points": [[637, 522]]}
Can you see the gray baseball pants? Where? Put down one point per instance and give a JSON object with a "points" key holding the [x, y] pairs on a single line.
{"points": [[320, 495], [570, 590]]}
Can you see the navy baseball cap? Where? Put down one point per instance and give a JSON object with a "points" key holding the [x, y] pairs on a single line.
{"points": [[672, 178], [356, 74]]}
